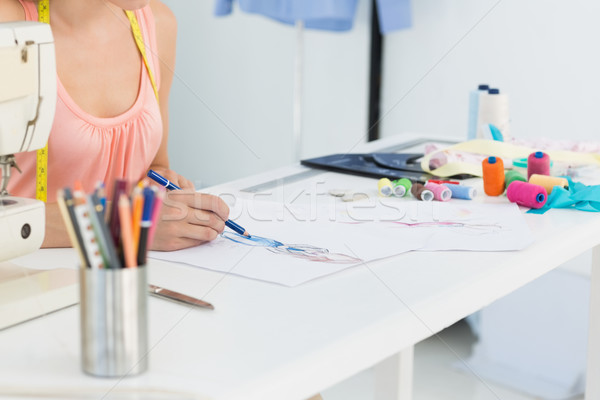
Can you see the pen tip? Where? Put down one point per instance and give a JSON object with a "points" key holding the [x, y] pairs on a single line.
{"points": [[247, 234]]}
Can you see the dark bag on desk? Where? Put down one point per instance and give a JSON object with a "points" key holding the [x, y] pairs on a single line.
{"points": [[375, 165]]}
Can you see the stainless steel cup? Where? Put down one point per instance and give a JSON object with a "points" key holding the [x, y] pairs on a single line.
{"points": [[114, 321]]}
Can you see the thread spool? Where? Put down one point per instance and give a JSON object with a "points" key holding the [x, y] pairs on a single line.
{"points": [[401, 187], [440, 192], [493, 109], [474, 110], [538, 163], [493, 176], [384, 187], [527, 194], [512, 175], [548, 182], [462, 192], [420, 192]]}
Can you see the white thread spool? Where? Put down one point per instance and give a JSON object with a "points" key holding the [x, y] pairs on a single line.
{"points": [[474, 110], [493, 109]]}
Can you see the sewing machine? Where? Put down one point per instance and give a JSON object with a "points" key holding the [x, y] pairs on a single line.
{"points": [[27, 103]]}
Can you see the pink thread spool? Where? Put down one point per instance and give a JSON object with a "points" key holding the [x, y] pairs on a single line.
{"points": [[527, 194], [440, 192], [538, 163]]}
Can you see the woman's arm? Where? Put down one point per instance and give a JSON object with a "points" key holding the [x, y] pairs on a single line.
{"points": [[187, 218], [56, 233], [166, 37]]}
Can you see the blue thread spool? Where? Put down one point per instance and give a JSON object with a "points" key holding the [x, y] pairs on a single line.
{"points": [[462, 192], [474, 110]]}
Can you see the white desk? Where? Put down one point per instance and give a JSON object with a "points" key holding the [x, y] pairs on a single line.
{"points": [[264, 341]]}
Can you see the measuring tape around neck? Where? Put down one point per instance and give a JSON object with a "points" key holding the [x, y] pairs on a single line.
{"points": [[41, 164], [41, 176], [139, 41]]}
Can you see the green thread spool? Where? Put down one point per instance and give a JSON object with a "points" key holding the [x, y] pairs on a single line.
{"points": [[512, 175], [401, 187]]}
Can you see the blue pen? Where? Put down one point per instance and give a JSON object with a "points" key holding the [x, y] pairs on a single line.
{"points": [[161, 180], [145, 225]]}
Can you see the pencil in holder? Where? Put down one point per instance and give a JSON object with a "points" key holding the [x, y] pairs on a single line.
{"points": [[114, 321]]}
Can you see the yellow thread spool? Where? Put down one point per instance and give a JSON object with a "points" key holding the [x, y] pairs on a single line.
{"points": [[384, 187], [548, 182]]}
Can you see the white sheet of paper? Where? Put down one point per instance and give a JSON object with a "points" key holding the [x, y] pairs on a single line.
{"points": [[315, 241]]}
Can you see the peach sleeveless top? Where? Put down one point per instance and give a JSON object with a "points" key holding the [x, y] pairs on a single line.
{"points": [[91, 149]]}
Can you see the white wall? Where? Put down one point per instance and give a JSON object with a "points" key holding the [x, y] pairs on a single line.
{"points": [[232, 96], [543, 53]]}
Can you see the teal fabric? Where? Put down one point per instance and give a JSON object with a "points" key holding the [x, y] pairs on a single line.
{"points": [[578, 197]]}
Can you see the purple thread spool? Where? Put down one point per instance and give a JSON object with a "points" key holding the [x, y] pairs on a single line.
{"points": [[538, 163], [527, 194], [440, 192]]}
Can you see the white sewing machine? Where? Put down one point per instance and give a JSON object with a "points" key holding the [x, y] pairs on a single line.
{"points": [[27, 103]]}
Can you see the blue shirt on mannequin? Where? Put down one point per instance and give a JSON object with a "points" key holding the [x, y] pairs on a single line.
{"points": [[332, 15]]}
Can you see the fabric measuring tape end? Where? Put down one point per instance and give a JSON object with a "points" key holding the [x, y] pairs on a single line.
{"points": [[41, 174], [139, 41], [41, 161]]}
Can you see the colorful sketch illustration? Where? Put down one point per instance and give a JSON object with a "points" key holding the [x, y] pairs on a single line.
{"points": [[427, 217], [363, 235], [302, 251], [466, 228]]}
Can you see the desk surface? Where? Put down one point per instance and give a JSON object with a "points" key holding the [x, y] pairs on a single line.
{"points": [[265, 341]]}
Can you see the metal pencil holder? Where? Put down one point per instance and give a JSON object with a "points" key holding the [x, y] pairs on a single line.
{"points": [[114, 321]]}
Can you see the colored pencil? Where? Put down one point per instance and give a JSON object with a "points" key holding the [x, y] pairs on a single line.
{"points": [[120, 187], [104, 239], [145, 225], [158, 201], [63, 197], [137, 201], [89, 238], [124, 210]]}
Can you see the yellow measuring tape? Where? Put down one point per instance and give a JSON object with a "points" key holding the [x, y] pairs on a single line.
{"points": [[139, 41], [41, 163], [41, 176]]}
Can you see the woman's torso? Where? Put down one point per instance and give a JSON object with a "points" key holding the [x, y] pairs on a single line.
{"points": [[122, 137]]}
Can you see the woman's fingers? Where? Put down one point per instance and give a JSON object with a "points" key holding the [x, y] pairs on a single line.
{"points": [[189, 219], [174, 178], [187, 202]]}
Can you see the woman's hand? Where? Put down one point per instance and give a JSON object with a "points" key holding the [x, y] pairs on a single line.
{"points": [[172, 176], [188, 218]]}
